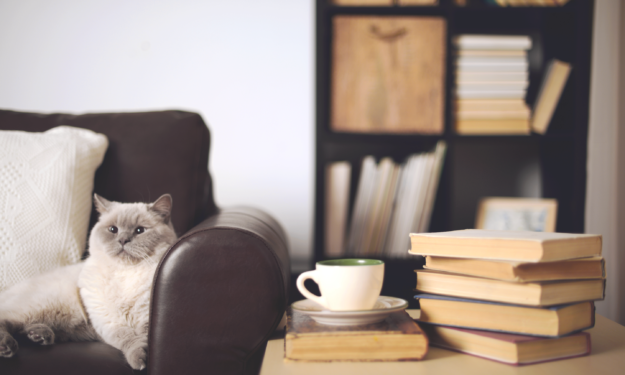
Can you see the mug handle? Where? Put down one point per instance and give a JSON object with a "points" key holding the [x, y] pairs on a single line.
{"points": [[302, 288]]}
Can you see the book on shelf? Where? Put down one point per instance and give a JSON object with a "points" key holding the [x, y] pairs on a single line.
{"points": [[528, 3], [508, 348], [492, 85], [486, 105], [521, 114], [551, 321], [465, 76], [489, 93], [421, 220], [491, 53], [492, 42], [548, 293], [549, 94], [379, 215], [511, 126], [383, 2], [393, 200], [492, 64], [362, 202], [572, 269], [388, 74], [397, 338], [521, 246], [338, 175]]}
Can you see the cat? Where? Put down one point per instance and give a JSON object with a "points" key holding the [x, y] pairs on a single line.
{"points": [[104, 298]]}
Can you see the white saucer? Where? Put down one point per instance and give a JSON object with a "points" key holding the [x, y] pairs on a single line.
{"points": [[383, 307]]}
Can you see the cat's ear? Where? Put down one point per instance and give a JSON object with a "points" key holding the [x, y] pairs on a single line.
{"points": [[101, 204], [162, 206]]}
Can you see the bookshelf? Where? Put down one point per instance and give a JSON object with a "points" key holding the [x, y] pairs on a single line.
{"points": [[552, 165]]}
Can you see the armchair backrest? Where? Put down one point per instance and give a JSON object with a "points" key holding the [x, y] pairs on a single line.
{"points": [[149, 154]]}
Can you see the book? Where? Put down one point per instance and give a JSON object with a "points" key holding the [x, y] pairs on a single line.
{"points": [[553, 321], [362, 203], [518, 126], [509, 348], [409, 196], [492, 85], [397, 338], [549, 94], [491, 53], [491, 62], [338, 176], [378, 217], [388, 74], [462, 76], [584, 268], [546, 293], [485, 93], [423, 223], [481, 105], [493, 115], [384, 2], [414, 200], [493, 42], [494, 68], [506, 245]]}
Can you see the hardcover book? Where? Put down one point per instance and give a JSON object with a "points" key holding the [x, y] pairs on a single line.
{"points": [[549, 94], [553, 321], [508, 348], [547, 293], [397, 338], [583, 268], [506, 245]]}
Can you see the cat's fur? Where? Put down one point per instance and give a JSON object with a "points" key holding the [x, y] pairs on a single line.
{"points": [[113, 285]]}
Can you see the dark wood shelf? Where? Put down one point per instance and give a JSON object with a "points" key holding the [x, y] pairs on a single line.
{"points": [[475, 165]]}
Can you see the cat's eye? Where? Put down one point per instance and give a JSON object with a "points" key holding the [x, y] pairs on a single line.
{"points": [[139, 230], [113, 229]]}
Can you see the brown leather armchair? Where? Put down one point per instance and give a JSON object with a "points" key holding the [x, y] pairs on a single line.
{"points": [[219, 292]]}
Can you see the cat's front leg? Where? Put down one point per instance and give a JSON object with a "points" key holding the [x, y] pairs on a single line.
{"points": [[40, 333], [133, 344], [136, 352], [8, 345]]}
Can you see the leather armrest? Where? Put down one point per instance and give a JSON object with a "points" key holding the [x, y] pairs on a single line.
{"points": [[218, 295]]}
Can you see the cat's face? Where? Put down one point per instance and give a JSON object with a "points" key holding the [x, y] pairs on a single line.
{"points": [[132, 232]]}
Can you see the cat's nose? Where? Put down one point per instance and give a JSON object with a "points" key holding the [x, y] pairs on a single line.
{"points": [[123, 241]]}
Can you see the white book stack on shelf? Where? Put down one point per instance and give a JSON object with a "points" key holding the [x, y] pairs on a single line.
{"points": [[392, 200], [492, 76]]}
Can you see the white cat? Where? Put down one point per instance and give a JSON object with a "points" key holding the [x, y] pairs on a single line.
{"points": [[106, 297]]}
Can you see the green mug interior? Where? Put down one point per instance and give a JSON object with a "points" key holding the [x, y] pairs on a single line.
{"points": [[350, 262]]}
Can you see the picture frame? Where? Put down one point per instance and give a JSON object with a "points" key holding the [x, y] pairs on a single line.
{"points": [[529, 214]]}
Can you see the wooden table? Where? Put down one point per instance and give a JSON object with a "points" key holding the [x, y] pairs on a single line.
{"points": [[607, 357]]}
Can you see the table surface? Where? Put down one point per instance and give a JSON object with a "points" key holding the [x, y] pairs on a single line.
{"points": [[607, 357]]}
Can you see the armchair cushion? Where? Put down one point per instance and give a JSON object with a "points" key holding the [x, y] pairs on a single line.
{"points": [[46, 180]]}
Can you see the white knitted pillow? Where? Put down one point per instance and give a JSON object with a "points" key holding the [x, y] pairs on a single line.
{"points": [[46, 182]]}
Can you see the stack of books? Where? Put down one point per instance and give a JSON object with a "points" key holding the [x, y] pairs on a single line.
{"points": [[492, 77], [378, 224], [512, 296]]}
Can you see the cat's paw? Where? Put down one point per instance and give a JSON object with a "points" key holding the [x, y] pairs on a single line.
{"points": [[8, 345], [40, 333], [137, 355]]}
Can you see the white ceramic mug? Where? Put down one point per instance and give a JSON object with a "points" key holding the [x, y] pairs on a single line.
{"points": [[345, 284]]}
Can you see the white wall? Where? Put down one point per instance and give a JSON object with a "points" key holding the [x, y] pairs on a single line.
{"points": [[605, 202], [245, 65]]}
